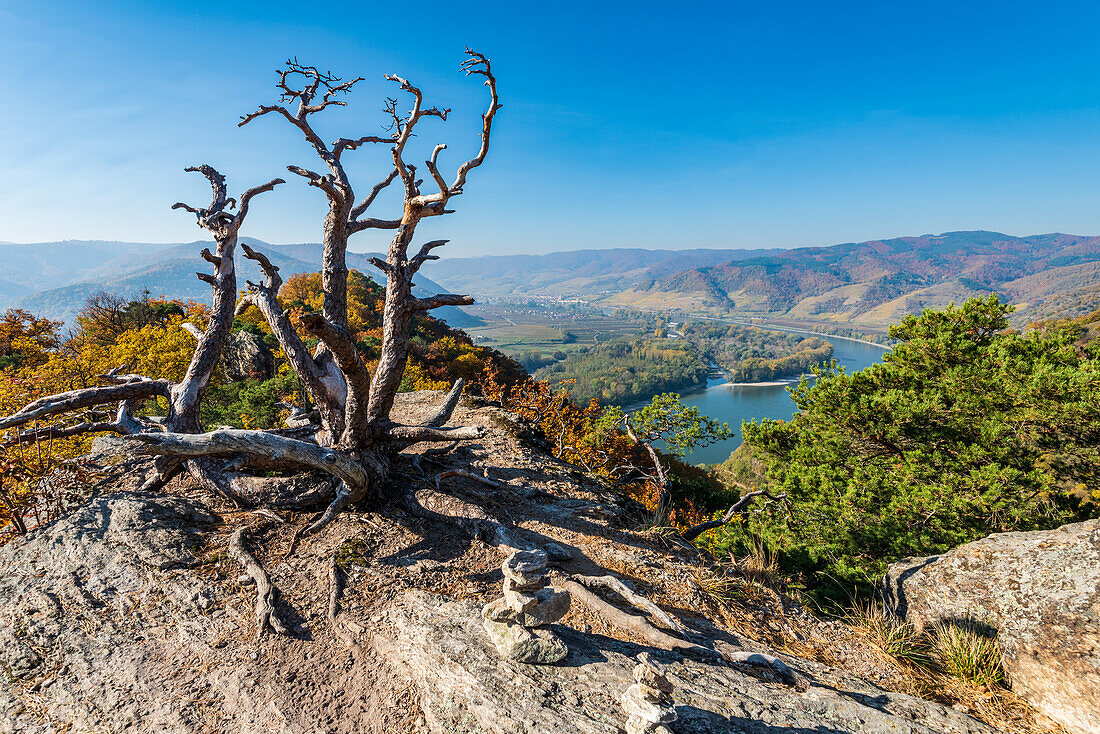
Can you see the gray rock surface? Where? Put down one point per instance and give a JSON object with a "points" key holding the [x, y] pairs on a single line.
{"points": [[465, 688], [1040, 592], [66, 593], [246, 356], [106, 625]]}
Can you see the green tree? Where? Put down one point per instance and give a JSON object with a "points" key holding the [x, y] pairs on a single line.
{"points": [[667, 422], [964, 429]]}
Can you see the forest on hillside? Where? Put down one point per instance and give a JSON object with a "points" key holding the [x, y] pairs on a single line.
{"points": [[627, 371], [966, 428], [752, 354]]}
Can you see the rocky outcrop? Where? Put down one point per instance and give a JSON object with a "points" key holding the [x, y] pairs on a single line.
{"points": [[1039, 592], [130, 615], [247, 357], [465, 688]]}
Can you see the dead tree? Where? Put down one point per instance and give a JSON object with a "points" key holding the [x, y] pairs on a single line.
{"points": [[129, 391], [354, 436]]}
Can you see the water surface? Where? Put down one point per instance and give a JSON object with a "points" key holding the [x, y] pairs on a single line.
{"points": [[735, 403]]}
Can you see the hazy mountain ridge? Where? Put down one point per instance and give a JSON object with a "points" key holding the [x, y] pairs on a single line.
{"points": [[879, 281], [871, 283], [59, 276], [575, 273]]}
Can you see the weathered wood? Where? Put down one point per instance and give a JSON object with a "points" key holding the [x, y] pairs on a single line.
{"points": [[447, 408], [397, 432], [734, 510], [86, 398], [266, 593], [220, 443]]}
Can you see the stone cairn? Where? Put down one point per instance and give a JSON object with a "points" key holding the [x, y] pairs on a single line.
{"points": [[648, 703], [515, 621]]}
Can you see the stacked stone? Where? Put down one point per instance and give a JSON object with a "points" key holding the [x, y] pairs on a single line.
{"points": [[515, 621], [648, 703]]}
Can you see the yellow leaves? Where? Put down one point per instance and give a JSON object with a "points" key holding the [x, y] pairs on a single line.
{"points": [[417, 378], [25, 339]]}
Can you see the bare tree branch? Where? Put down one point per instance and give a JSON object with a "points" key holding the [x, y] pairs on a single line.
{"points": [[86, 398], [734, 510], [442, 299], [374, 192]]}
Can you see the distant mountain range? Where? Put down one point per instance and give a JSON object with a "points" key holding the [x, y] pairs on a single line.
{"points": [[868, 284], [54, 279], [586, 273]]}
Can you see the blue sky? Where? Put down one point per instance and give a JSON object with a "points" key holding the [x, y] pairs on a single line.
{"points": [[624, 124]]}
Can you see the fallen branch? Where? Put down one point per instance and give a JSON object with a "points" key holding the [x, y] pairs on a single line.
{"points": [[265, 592], [735, 509]]}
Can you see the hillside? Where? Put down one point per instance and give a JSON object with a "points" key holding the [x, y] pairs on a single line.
{"points": [[877, 282], [129, 614], [54, 279], [579, 273]]}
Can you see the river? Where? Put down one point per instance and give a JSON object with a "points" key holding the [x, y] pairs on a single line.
{"points": [[735, 403]]}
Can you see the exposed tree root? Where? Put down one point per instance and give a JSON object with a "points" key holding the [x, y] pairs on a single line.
{"points": [[443, 413], [438, 507], [211, 476], [342, 500], [633, 622], [660, 639], [465, 474], [620, 588], [763, 660], [266, 593]]}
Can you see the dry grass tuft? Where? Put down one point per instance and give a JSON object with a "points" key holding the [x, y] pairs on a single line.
{"points": [[969, 653], [896, 639], [957, 664]]}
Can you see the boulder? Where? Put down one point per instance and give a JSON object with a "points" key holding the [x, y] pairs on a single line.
{"points": [[247, 357], [535, 647], [1040, 592]]}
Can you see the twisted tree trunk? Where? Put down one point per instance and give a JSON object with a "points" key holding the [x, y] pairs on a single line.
{"points": [[355, 436]]}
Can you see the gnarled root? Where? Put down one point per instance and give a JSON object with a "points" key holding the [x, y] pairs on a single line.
{"points": [[466, 475], [435, 506], [633, 622], [763, 660], [266, 593], [620, 588], [658, 638]]}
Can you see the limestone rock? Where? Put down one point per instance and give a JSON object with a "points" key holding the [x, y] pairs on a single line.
{"points": [[637, 702], [1040, 591], [550, 606], [247, 357], [438, 644], [652, 675], [519, 600], [535, 647], [525, 568]]}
